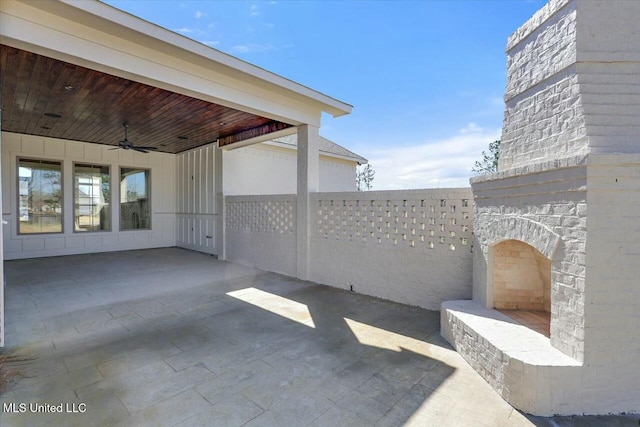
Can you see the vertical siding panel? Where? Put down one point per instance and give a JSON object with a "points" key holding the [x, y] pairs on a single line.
{"points": [[192, 173], [197, 180], [203, 181], [179, 177], [211, 242], [196, 203], [211, 195], [183, 183]]}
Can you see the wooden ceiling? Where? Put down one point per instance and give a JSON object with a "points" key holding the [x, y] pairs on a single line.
{"points": [[92, 106]]}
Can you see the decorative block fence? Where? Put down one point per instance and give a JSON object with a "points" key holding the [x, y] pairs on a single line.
{"points": [[261, 232], [411, 246]]}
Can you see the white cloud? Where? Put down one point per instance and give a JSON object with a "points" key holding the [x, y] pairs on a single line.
{"points": [[184, 30], [211, 42], [252, 47], [254, 11], [443, 163], [199, 14], [471, 128]]}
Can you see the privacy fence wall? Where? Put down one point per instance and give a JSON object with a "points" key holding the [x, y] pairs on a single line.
{"points": [[409, 246]]}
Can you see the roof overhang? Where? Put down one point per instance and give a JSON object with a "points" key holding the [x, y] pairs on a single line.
{"points": [[103, 39]]}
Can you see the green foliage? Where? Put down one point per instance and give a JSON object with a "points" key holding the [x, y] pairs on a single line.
{"points": [[489, 162], [364, 177]]}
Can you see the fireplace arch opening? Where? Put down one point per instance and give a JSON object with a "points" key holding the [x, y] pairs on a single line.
{"points": [[521, 281]]}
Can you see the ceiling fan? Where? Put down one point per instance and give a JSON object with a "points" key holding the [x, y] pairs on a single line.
{"points": [[125, 144]]}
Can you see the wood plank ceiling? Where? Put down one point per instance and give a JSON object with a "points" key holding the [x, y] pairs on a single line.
{"points": [[51, 98]]}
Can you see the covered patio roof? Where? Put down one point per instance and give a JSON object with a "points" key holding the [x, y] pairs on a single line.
{"points": [[78, 70]]}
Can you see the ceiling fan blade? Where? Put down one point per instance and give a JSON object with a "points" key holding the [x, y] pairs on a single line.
{"points": [[147, 148], [140, 149], [115, 148]]}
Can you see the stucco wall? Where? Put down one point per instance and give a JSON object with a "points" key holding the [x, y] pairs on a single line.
{"points": [[162, 168], [267, 169]]}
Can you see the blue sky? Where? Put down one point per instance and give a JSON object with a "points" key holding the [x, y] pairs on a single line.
{"points": [[426, 78]]}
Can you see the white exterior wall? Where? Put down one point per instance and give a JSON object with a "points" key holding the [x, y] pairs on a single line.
{"points": [[196, 207], [162, 167], [267, 169]]}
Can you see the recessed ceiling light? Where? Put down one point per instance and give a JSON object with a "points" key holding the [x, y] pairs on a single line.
{"points": [[183, 137], [69, 87], [53, 115]]}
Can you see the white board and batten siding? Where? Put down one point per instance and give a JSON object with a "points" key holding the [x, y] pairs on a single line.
{"points": [[196, 212], [160, 165]]}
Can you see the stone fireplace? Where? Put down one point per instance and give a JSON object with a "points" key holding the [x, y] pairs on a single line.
{"points": [[553, 324]]}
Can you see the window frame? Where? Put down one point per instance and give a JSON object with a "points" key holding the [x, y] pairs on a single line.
{"points": [[62, 195], [120, 222], [73, 191]]}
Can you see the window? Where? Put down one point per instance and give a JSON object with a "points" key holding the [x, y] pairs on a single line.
{"points": [[39, 196], [135, 199], [91, 197]]}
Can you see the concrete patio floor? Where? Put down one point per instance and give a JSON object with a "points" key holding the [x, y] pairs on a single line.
{"points": [[170, 337]]}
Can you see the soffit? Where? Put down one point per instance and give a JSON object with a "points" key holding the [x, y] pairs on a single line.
{"points": [[97, 105]]}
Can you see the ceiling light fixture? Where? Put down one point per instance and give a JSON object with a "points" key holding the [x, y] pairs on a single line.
{"points": [[69, 87]]}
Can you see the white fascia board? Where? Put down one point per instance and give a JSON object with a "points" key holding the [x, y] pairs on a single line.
{"points": [[98, 34], [322, 152], [339, 156]]}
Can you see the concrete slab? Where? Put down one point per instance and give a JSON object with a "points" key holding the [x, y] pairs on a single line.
{"points": [[163, 338]]}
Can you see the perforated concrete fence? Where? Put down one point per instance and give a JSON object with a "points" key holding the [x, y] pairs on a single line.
{"points": [[407, 246], [255, 214], [423, 221], [411, 246], [261, 232]]}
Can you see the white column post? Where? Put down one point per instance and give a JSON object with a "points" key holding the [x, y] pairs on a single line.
{"points": [[308, 182], [220, 204]]}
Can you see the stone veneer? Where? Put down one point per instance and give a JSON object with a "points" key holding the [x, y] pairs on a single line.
{"points": [[521, 277], [568, 187]]}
